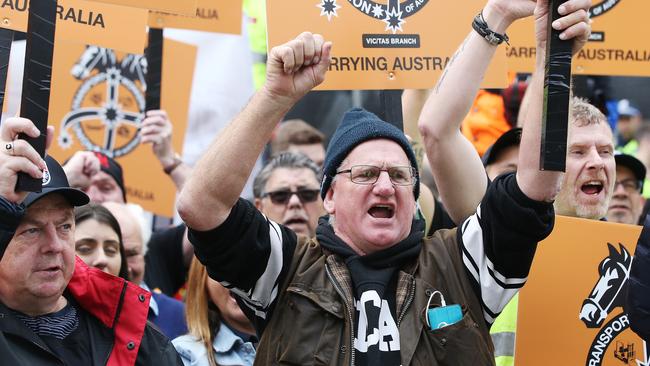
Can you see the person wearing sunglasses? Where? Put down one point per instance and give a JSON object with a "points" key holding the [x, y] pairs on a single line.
{"points": [[287, 191], [627, 202], [357, 293]]}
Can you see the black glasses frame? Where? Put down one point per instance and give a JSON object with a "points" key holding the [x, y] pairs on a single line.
{"points": [[388, 170]]}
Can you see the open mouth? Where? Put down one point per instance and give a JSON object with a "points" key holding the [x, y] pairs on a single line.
{"points": [[592, 188], [295, 221], [619, 207], [381, 212], [51, 270]]}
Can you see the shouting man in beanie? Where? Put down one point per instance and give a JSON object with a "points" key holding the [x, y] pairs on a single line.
{"points": [[369, 288]]}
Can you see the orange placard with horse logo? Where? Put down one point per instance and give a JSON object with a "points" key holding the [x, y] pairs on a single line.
{"points": [[618, 43], [97, 103], [390, 44], [571, 309]]}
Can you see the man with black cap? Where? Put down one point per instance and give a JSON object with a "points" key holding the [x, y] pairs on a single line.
{"points": [[627, 202], [97, 174], [54, 309], [627, 125], [503, 156], [369, 289]]}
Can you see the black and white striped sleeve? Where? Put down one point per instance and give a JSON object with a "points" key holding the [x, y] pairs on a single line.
{"points": [[498, 242], [248, 254]]}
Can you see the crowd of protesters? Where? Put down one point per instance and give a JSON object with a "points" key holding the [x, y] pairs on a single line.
{"points": [[332, 261]]}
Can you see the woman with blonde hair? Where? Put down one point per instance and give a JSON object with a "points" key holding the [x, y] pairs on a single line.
{"points": [[219, 332]]}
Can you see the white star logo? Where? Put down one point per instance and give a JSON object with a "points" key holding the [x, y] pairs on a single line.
{"points": [[377, 11], [394, 21], [328, 8]]}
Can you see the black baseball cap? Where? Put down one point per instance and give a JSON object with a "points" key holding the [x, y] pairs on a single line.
{"points": [[509, 138], [55, 181], [634, 164]]}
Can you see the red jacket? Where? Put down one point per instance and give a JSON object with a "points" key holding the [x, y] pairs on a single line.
{"points": [[103, 296]]}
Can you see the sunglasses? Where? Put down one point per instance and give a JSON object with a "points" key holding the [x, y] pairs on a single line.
{"points": [[283, 196]]}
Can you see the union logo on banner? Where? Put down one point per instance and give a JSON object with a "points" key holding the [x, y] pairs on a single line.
{"points": [[108, 106], [394, 14], [389, 44], [98, 103]]}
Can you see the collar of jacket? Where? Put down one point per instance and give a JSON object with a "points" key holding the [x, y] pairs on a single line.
{"points": [[225, 340], [104, 296]]}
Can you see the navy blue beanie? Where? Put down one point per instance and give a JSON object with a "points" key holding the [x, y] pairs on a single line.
{"points": [[357, 126]]}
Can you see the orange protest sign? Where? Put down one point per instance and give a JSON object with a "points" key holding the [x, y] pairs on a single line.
{"points": [[185, 7], [615, 47], [97, 103], [570, 311], [394, 44], [221, 16], [87, 22]]}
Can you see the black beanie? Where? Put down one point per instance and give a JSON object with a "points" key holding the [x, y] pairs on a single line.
{"points": [[358, 126]]}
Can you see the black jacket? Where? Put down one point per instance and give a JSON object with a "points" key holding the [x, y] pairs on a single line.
{"points": [[638, 298], [20, 346]]}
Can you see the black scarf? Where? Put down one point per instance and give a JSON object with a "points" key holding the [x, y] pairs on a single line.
{"points": [[372, 273]]}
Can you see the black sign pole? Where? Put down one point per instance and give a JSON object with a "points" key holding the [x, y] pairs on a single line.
{"points": [[35, 100], [391, 107], [154, 55], [557, 94], [6, 37]]}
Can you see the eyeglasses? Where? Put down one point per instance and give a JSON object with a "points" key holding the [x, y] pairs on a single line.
{"points": [[369, 174], [281, 197], [629, 185]]}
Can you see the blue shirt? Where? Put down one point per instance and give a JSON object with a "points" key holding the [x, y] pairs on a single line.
{"points": [[167, 313], [228, 348]]}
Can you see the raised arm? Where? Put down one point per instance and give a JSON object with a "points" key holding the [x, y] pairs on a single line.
{"points": [[456, 166], [216, 182], [536, 184], [157, 130]]}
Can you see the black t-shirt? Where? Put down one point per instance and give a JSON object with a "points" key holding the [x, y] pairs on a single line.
{"points": [[165, 268], [441, 219], [64, 332]]}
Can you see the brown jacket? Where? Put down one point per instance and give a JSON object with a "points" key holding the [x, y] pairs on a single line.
{"points": [[312, 320]]}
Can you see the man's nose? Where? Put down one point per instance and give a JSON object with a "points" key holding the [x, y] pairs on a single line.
{"points": [[294, 200], [384, 186], [595, 160], [619, 190], [100, 261], [54, 242]]}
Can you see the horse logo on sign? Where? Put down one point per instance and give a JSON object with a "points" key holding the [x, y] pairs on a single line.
{"points": [[108, 106], [608, 294]]}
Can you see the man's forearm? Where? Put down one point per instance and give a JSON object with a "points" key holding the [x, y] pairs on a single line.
{"points": [[456, 166], [220, 175], [536, 184]]}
